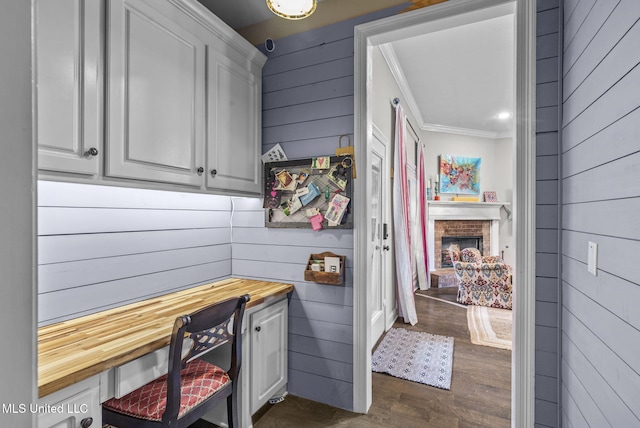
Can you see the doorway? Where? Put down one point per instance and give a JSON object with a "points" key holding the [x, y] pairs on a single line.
{"points": [[433, 18]]}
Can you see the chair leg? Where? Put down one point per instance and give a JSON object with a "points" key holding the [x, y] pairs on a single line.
{"points": [[232, 411]]}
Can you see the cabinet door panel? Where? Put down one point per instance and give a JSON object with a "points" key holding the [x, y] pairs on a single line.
{"points": [[70, 412], [68, 81], [268, 353], [156, 100], [234, 126]]}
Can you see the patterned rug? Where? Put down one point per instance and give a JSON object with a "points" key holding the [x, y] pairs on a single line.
{"points": [[490, 326], [416, 356]]}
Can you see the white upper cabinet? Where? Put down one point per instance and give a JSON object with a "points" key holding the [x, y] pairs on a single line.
{"points": [[234, 126], [156, 87], [181, 104], [68, 82]]}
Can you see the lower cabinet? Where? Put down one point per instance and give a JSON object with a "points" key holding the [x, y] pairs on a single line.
{"points": [[268, 366], [77, 406]]}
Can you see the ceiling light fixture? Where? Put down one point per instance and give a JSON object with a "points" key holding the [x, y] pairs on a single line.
{"points": [[292, 9], [504, 115]]}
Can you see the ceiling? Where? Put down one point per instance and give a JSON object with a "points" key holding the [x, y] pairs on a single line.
{"points": [[454, 80]]}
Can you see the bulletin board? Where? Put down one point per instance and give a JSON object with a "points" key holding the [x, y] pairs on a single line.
{"points": [[296, 191]]}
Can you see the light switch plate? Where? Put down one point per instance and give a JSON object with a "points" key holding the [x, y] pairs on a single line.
{"points": [[592, 259]]}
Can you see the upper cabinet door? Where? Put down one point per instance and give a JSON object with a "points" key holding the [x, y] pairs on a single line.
{"points": [[234, 126], [68, 82], [155, 104]]}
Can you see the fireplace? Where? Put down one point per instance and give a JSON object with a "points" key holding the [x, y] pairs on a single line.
{"points": [[462, 242], [462, 219]]}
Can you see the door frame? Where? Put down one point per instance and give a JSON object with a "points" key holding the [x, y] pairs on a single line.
{"points": [[431, 18]]}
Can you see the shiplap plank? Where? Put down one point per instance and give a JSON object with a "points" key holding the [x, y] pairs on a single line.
{"points": [[315, 311], [547, 167], [66, 248], [614, 410], [613, 180], [547, 240], [547, 192], [323, 293], [569, 9], [332, 240], [323, 146], [547, 94], [334, 88], [575, 22], [620, 60], [547, 314], [305, 130], [253, 219], [320, 330], [542, 5], [547, 21], [335, 392], [584, 402], [325, 52], [618, 101], [545, 412], [547, 119], [571, 415], [613, 253], [547, 70], [72, 303], [279, 252], [547, 143], [546, 363], [546, 338], [327, 349], [547, 290], [547, 216], [307, 76], [321, 366], [63, 221], [547, 265], [595, 43], [611, 369], [618, 335], [241, 204], [613, 142], [60, 276], [323, 109], [546, 388], [606, 289], [589, 217], [547, 46], [61, 194], [278, 272]]}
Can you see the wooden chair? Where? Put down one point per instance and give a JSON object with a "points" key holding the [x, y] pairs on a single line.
{"points": [[192, 386]]}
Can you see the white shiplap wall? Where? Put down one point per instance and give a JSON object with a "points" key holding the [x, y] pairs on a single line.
{"points": [[601, 202], [101, 247]]}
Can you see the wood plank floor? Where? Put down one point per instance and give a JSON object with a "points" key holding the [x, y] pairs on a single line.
{"points": [[480, 394]]}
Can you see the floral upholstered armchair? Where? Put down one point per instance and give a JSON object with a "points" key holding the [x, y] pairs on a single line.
{"points": [[484, 281]]}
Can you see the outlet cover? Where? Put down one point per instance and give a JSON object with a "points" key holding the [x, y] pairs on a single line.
{"points": [[592, 259]]}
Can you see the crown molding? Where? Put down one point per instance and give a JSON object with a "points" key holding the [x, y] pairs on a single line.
{"points": [[434, 127]]}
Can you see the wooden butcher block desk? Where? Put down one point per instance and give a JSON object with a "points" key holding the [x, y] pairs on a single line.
{"points": [[73, 350]]}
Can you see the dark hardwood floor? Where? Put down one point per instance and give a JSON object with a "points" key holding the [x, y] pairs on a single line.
{"points": [[480, 394]]}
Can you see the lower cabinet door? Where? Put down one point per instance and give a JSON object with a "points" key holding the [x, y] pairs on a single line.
{"points": [[77, 406], [268, 353]]}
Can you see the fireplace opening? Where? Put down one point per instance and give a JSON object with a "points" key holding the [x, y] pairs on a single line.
{"points": [[463, 242]]}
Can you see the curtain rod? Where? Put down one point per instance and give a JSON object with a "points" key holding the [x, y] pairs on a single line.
{"points": [[395, 103]]}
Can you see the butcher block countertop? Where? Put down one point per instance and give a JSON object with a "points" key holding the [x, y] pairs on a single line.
{"points": [[73, 350]]}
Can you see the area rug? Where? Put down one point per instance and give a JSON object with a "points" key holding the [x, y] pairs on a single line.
{"points": [[490, 326], [416, 356]]}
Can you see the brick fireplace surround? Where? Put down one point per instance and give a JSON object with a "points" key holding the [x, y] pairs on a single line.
{"points": [[460, 228]]}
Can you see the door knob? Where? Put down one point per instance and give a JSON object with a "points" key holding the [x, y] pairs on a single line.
{"points": [[386, 248], [86, 422], [214, 172], [200, 170], [258, 328], [91, 152]]}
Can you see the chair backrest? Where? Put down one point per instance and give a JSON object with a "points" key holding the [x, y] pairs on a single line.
{"points": [[204, 330], [454, 253], [470, 255]]}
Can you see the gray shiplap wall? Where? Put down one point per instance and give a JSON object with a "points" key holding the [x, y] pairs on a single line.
{"points": [[307, 104], [601, 202], [101, 247], [547, 213]]}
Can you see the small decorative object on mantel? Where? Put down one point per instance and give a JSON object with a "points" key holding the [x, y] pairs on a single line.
{"points": [[325, 268], [490, 196]]}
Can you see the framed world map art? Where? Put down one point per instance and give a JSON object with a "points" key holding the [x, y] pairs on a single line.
{"points": [[459, 174]]}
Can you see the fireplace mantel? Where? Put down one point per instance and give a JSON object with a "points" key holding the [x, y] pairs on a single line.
{"points": [[450, 210]]}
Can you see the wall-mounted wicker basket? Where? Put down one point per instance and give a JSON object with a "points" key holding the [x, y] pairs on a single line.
{"points": [[330, 278]]}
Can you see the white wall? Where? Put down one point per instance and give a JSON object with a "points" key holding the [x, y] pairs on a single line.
{"points": [[496, 172]]}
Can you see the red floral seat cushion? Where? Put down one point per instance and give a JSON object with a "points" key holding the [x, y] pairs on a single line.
{"points": [[199, 380]]}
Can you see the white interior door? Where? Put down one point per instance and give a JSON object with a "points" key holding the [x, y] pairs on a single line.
{"points": [[381, 293]]}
